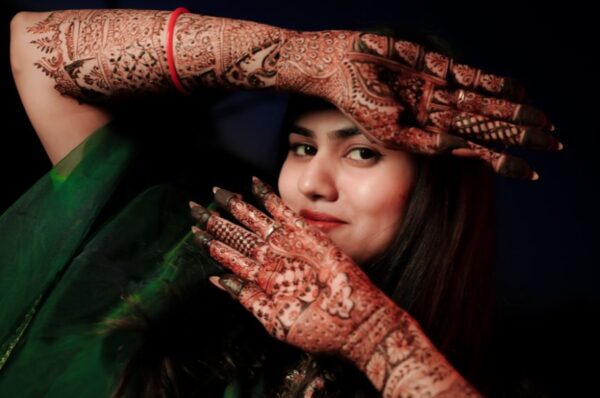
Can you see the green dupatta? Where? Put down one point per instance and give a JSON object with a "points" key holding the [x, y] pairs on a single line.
{"points": [[63, 270]]}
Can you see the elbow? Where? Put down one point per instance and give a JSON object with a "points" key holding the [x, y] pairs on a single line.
{"points": [[18, 40]]}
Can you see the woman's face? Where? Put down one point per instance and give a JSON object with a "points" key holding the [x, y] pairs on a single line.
{"points": [[333, 170]]}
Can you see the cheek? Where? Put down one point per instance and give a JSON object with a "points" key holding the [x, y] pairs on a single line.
{"points": [[377, 229], [379, 206], [286, 184], [378, 199]]}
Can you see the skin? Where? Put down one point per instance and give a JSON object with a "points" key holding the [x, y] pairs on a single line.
{"points": [[308, 293], [349, 178], [375, 80]]}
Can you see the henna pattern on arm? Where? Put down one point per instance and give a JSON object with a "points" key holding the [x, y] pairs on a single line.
{"points": [[96, 54], [399, 359], [396, 91]]}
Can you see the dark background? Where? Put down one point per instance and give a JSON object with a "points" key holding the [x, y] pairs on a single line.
{"points": [[547, 265]]}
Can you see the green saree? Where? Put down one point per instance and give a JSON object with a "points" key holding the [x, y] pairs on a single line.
{"points": [[72, 263]]}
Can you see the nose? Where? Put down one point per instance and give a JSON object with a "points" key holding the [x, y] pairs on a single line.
{"points": [[317, 180]]}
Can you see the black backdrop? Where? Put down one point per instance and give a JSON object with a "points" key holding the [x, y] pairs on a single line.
{"points": [[547, 262]]}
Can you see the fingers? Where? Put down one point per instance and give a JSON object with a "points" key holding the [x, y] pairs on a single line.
{"points": [[234, 260], [473, 126], [281, 233], [235, 236], [500, 163], [471, 115], [308, 240], [498, 108], [417, 140], [255, 300], [275, 206], [425, 142], [247, 214], [478, 80], [436, 64]]}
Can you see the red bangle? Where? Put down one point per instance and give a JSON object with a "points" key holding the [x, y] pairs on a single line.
{"points": [[170, 59]]}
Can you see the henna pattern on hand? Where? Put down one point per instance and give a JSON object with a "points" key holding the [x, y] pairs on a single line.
{"points": [[305, 291], [396, 91]]}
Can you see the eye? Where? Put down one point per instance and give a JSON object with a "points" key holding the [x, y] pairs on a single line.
{"points": [[302, 149], [363, 154]]}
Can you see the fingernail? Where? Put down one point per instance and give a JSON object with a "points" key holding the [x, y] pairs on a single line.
{"points": [[260, 189], [516, 168], [449, 142], [199, 213], [535, 176], [201, 238], [231, 283], [223, 196], [215, 281], [537, 139]]}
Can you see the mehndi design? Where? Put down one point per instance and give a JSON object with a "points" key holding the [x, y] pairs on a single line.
{"points": [[305, 291], [396, 91]]}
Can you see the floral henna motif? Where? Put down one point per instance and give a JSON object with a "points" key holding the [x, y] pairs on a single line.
{"points": [[396, 91], [321, 302], [346, 68], [93, 54], [225, 52], [399, 93]]}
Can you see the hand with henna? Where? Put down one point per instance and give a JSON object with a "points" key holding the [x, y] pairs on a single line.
{"points": [[306, 292], [397, 92]]}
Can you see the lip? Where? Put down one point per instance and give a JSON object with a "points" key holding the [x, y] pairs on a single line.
{"points": [[324, 221], [324, 226], [318, 216]]}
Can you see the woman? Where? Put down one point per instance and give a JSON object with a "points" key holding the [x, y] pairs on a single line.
{"points": [[384, 93], [366, 189]]}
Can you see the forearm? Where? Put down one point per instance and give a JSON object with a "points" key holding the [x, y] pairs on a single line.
{"points": [[93, 55], [396, 355]]}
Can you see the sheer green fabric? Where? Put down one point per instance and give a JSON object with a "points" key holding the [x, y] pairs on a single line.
{"points": [[64, 270]]}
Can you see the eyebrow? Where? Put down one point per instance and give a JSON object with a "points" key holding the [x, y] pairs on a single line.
{"points": [[335, 134]]}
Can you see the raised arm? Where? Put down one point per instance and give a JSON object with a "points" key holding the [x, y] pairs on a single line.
{"points": [[61, 122], [396, 91], [93, 57]]}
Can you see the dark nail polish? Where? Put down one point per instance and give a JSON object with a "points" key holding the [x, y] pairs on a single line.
{"points": [[529, 115], [449, 142], [200, 214], [223, 196], [537, 139], [260, 189], [516, 168], [201, 238]]}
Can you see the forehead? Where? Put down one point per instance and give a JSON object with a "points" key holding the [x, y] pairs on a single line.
{"points": [[331, 122]]}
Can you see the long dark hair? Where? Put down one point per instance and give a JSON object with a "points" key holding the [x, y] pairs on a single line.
{"points": [[439, 268]]}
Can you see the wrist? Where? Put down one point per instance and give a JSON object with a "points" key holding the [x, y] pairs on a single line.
{"points": [[392, 350], [371, 334], [228, 53]]}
